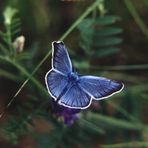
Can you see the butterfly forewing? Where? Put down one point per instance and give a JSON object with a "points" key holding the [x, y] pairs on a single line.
{"points": [[60, 59], [99, 87], [56, 82]]}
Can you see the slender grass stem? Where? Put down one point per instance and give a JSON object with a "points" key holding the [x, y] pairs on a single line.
{"points": [[127, 144], [9, 38], [136, 17], [24, 71], [146, 2], [4, 37], [77, 22], [127, 67], [19, 67], [119, 67], [3, 49], [123, 111], [8, 75], [118, 123]]}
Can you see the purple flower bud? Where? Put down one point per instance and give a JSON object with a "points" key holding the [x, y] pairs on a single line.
{"points": [[69, 115]]}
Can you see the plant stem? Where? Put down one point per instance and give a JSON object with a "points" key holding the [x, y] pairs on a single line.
{"points": [[119, 67], [24, 71], [19, 67], [9, 38], [128, 67], [123, 111], [146, 2], [8, 75], [118, 123], [136, 17], [3, 49], [127, 144], [76, 23]]}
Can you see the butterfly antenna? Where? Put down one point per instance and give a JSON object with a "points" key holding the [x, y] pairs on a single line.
{"points": [[13, 98]]}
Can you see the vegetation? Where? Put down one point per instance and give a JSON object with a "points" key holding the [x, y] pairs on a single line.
{"points": [[104, 38]]}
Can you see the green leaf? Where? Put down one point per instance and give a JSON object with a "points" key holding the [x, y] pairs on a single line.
{"points": [[8, 75], [3, 49], [111, 41], [2, 34], [3, 37], [16, 22], [16, 26], [81, 64], [107, 31], [138, 144], [106, 52], [16, 31], [23, 56], [85, 24], [91, 126], [116, 123], [107, 20]]}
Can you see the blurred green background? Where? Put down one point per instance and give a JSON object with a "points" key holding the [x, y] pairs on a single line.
{"points": [[104, 38]]}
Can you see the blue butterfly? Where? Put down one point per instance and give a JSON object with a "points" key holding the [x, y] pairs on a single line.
{"points": [[72, 90]]}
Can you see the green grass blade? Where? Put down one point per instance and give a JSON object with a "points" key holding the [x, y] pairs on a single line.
{"points": [[79, 20], [146, 2], [91, 126], [106, 52], [8, 75], [107, 31], [116, 123], [24, 71], [107, 20], [3, 49], [110, 41], [136, 17], [132, 144]]}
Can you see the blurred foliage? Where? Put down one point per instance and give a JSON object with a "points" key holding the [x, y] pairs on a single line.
{"points": [[97, 35], [99, 40]]}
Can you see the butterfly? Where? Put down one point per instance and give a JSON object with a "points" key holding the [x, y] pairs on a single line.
{"points": [[72, 90]]}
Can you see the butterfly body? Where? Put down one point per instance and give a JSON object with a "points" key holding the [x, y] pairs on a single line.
{"points": [[73, 77], [72, 90]]}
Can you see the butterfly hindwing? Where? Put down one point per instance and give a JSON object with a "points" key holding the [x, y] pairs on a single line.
{"points": [[75, 97], [99, 87], [60, 59]]}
